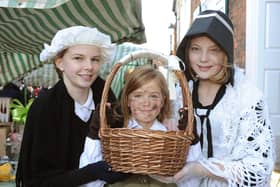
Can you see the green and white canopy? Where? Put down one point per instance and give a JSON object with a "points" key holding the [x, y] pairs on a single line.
{"points": [[25, 25]]}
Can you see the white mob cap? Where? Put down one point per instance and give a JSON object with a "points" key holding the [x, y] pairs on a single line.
{"points": [[78, 35]]}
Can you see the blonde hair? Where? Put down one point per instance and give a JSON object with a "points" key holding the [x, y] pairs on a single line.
{"points": [[136, 79], [223, 76]]}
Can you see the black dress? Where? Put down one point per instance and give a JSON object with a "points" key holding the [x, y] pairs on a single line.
{"points": [[53, 140]]}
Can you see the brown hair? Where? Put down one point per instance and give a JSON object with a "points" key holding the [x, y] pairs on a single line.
{"points": [[139, 77], [58, 56]]}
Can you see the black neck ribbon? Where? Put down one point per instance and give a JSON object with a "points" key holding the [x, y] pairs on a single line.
{"points": [[198, 105]]}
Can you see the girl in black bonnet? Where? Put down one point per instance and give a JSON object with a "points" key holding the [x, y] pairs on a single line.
{"points": [[236, 142]]}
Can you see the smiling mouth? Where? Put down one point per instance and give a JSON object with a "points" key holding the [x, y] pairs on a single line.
{"points": [[204, 68], [86, 75], [146, 111]]}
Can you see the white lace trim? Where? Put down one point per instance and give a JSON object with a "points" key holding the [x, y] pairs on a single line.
{"points": [[242, 138], [247, 152]]}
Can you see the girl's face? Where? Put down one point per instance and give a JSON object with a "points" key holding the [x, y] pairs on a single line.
{"points": [[145, 103], [206, 57], [80, 66]]}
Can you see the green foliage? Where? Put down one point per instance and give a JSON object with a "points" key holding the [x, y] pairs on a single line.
{"points": [[19, 111]]}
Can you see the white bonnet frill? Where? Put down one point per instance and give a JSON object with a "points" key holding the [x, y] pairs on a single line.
{"points": [[78, 35]]}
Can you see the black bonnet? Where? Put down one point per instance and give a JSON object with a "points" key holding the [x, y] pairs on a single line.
{"points": [[214, 24]]}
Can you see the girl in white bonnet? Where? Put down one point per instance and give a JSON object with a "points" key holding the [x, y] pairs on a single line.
{"points": [[58, 120]]}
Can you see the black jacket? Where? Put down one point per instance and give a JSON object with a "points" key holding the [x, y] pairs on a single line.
{"points": [[53, 140]]}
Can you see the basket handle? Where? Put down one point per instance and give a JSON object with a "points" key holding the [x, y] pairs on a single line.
{"points": [[187, 100]]}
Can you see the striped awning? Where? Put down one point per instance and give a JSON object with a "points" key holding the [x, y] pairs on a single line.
{"points": [[44, 76], [25, 25]]}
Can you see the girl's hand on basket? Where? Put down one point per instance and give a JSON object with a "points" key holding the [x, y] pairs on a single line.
{"points": [[113, 116], [103, 171], [183, 120], [163, 179], [190, 170], [113, 177]]}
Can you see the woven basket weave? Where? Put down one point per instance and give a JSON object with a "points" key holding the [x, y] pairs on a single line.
{"points": [[143, 151]]}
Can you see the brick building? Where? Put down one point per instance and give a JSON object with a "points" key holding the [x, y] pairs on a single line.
{"points": [[237, 12]]}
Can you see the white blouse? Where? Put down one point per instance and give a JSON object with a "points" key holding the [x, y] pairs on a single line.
{"points": [[242, 139], [84, 111]]}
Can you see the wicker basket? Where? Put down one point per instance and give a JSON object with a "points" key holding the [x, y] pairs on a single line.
{"points": [[143, 151]]}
